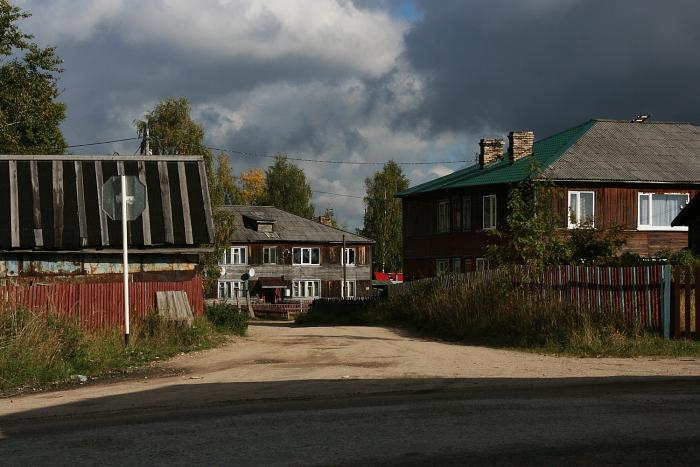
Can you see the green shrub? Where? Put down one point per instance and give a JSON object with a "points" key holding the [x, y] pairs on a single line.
{"points": [[227, 317]]}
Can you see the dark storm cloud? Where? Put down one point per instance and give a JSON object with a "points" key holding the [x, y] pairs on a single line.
{"points": [[549, 64]]}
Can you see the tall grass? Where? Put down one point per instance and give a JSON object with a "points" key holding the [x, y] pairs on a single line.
{"points": [[38, 348], [490, 309]]}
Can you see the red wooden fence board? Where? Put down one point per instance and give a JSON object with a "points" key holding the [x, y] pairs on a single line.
{"points": [[99, 305]]}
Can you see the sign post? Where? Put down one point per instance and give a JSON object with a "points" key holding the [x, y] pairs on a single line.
{"points": [[124, 199]]}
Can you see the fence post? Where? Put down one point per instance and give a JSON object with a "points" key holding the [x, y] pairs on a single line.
{"points": [[666, 300]]}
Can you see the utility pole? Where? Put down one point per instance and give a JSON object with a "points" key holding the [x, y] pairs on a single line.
{"points": [[148, 138], [343, 292]]}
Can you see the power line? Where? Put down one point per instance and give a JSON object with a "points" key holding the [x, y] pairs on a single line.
{"points": [[101, 142], [327, 161], [337, 194]]}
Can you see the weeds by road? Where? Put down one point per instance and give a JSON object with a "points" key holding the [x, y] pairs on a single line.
{"points": [[492, 312], [41, 348]]}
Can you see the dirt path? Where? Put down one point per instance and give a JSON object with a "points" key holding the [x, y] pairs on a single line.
{"points": [[277, 361]]}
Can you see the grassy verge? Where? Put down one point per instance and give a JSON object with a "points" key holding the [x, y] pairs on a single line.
{"points": [[491, 311], [37, 349]]}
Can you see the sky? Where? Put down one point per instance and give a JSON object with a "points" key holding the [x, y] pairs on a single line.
{"points": [[368, 81]]}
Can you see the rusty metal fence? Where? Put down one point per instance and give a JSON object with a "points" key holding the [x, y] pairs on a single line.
{"points": [[99, 305]]}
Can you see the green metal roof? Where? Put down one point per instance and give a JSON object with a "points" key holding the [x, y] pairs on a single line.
{"points": [[545, 152]]}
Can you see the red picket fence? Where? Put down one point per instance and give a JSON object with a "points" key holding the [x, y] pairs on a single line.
{"points": [[99, 305]]}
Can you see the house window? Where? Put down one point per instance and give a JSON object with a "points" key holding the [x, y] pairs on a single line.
{"points": [[656, 210], [349, 289], [489, 221], [306, 256], [235, 255], [482, 264], [230, 289], [270, 255], [444, 216], [466, 213], [306, 289], [349, 256], [581, 209], [442, 266], [456, 265]]}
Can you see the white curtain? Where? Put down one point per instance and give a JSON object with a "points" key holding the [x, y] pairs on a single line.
{"points": [[665, 208]]}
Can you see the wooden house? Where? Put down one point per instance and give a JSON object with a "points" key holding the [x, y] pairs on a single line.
{"points": [[294, 258], [637, 174], [57, 243]]}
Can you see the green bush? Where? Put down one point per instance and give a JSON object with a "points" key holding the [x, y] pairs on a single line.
{"points": [[227, 317], [337, 311]]}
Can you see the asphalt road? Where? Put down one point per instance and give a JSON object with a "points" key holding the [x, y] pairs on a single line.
{"points": [[586, 421]]}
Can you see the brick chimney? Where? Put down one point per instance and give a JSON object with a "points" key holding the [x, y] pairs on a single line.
{"points": [[521, 143], [491, 151], [325, 220]]}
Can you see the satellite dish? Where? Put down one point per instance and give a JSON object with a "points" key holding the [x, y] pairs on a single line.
{"points": [[251, 272], [222, 271]]}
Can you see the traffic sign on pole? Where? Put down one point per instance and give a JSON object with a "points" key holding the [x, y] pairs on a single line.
{"points": [[124, 199], [112, 197]]}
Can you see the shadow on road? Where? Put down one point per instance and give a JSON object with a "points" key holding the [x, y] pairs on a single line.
{"points": [[188, 402]]}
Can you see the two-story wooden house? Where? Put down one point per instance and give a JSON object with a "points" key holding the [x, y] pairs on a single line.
{"points": [[293, 257], [637, 174]]}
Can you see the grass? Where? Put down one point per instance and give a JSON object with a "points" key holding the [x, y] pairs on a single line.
{"points": [[491, 311], [37, 349]]}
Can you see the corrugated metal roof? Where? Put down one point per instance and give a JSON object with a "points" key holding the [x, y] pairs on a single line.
{"points": [[52, 203], [287, 227], [597, 150]]}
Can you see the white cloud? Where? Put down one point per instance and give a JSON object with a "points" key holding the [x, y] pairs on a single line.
{"points": [[328, 31]]}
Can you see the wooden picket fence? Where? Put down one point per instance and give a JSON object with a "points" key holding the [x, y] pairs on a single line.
{"points": [[685, 322], [99, 305], [634, 293]]}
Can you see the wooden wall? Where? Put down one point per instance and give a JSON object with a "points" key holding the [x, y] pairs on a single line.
{"points": [[615, 204]]}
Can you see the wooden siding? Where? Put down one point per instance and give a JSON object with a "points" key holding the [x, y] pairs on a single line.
{"points": [[614, 205], [329, 272]]}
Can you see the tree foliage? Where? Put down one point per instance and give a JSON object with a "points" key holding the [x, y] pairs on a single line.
{"points": [[252, 186], [287, 188], [383, 217], [532, 234], [30, 117]]}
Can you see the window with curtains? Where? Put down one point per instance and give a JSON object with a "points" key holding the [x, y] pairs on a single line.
{"points": [[581, 209], [657, 210]]}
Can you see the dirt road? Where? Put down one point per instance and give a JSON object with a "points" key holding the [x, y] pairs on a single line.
{"points": [[364, 396], [302, 356]]}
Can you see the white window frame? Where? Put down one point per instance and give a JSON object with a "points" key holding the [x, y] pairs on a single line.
{"points": [[574, 225], [233, 251], [301, 256], [640, 226], [227, 289], [349, 289], [443, 213], [346, 256], [482, 264], [493, 211], [445, 263], [269, 250], [456, 265], [302, 286]]}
